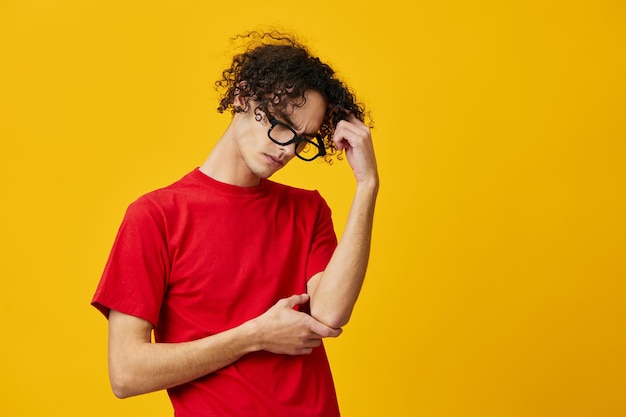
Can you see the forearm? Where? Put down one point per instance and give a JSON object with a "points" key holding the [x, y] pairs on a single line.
{"points": [[137, 366], [335, 291]]}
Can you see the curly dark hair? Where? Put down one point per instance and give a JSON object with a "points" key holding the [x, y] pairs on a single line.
{"points": [[275, 70]]}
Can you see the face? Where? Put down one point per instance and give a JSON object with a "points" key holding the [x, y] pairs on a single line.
{"points": [[261, 156]]}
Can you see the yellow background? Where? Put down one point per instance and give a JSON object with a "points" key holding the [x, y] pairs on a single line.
{"points": [[497, 279]]}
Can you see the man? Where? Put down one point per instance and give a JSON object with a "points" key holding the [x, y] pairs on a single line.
{"points": [[239, 277]]}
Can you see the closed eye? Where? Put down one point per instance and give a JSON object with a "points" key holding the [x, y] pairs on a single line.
{"points": [[310, 136]]}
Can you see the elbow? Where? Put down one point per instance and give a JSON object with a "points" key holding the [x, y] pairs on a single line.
{"points": [[329, 311], [122, 384], [120, 390]]}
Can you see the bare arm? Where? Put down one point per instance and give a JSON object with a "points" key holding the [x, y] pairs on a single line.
{"points": [[334, 291], [137, 366]]}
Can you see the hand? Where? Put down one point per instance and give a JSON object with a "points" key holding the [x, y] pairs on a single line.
{"points": [[354, 137], [283, 330]]}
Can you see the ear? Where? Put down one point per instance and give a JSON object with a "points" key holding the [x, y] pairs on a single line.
{"points": [[242, 86], [242, 100], [239, 100]]}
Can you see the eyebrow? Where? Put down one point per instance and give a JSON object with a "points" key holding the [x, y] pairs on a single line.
{"points": [[292, 124]]}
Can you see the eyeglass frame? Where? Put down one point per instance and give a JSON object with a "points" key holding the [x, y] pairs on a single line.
{"points": [[296, 140]]}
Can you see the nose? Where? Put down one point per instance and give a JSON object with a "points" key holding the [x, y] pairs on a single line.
{"points": [[288, 150]]}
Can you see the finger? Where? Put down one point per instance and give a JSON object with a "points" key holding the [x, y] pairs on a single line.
{"points": [[348, 126], [355, 121], [323, 330], [330, 332], [313, 343], [335, 332], [350, 131], [343, 134], [297, 299]]}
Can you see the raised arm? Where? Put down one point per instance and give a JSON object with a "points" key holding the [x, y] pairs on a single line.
{"points": [[137, 366], [334, 291]]}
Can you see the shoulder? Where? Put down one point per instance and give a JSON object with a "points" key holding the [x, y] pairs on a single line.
{"points": [[161, 196], [161, 200]]}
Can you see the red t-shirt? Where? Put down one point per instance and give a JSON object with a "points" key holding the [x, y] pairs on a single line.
{"points": [[199, 257]]}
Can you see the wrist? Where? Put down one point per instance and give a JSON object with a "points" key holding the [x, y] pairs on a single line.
{"points": [[252, 335], [369, 185]]}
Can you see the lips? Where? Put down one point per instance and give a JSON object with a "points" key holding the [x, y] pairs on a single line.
{"points": [[275, 161]]}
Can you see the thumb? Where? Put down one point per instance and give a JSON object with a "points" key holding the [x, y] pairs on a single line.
{"points": [[297, 299]]}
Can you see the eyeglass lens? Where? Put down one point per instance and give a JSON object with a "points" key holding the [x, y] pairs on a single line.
{"points": [[305, 148]]}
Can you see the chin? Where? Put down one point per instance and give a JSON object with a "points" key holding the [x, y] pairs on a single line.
{"points": [[263, 172], [268, 174]]}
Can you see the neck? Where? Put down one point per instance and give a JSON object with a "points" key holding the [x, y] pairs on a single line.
{"points": [[226, 164]]}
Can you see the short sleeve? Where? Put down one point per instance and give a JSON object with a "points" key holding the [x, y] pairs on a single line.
{"points": [[135, 276], [324, 241]]}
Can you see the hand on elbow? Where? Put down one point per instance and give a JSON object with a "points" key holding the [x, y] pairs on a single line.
{"points": [[283, 330]]}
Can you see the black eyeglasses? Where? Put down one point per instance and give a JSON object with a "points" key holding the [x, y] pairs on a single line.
{"points": [[307, 148]]}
